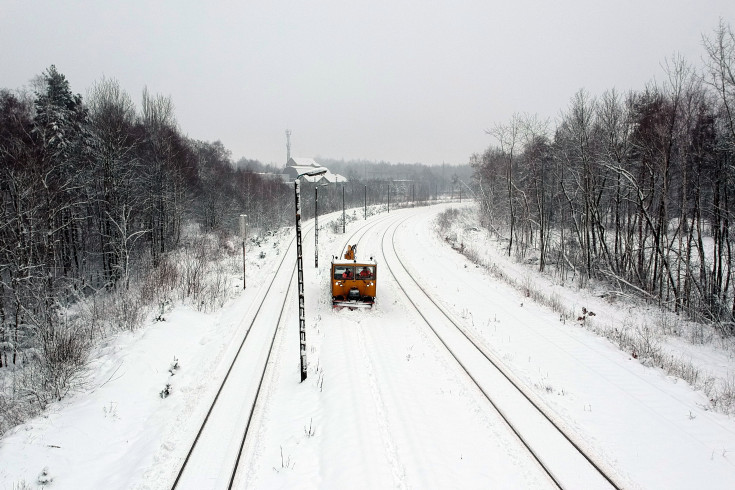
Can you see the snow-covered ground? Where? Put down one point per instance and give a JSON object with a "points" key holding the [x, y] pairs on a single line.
{"points": [[384, 404]]}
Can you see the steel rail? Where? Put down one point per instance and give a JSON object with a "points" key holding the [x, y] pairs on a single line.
{"points": [[260, 383], [231, 366], [502, 370]]}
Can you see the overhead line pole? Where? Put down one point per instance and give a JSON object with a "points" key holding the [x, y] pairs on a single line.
{"points": [[316, 226], [243, 234], [300, 267]]}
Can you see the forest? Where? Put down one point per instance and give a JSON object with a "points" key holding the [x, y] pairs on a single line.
{"points": [[632, 189], [97, 196]]}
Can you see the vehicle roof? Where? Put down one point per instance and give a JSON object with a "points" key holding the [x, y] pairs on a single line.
{"points": [[354, 262]]}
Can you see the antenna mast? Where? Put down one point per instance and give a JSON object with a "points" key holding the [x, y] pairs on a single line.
{"points": [[288, 145]]}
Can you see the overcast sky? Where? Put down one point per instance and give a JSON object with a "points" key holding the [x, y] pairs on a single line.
{"points": [[402, 81]]}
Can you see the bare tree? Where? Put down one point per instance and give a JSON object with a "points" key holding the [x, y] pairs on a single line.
{"points": [[118, 195], [508, 137], [721, 66]]}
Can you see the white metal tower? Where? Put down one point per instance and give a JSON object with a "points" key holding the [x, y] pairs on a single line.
{"points": [[288, 145]]}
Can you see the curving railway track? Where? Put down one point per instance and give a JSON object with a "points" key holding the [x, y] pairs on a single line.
{"points": [[215, 454], [213, 457], [560, 454]]}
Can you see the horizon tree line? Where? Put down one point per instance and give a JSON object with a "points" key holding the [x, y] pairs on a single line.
{"points": [[96, 191], [637, 189]]}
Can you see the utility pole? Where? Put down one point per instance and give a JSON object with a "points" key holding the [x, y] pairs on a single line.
{"points": [[389, 197], [316, 226], [243, 234], [300, 266], [343, 208], [365, 201]]}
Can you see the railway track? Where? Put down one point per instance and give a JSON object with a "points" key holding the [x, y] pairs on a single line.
{"points": [[212, 460], [214, 455], [560, 454]]}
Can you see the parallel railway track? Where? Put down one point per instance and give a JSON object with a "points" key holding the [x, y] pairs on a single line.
{"points": [[566, 462], [561, 456], [197, 470]]}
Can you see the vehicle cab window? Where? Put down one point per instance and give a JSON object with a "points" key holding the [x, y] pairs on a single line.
{"points": [[344, 272], [366, 272]]}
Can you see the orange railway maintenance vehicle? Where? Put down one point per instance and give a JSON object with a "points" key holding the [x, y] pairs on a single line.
{"points": [[353, 281]]}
